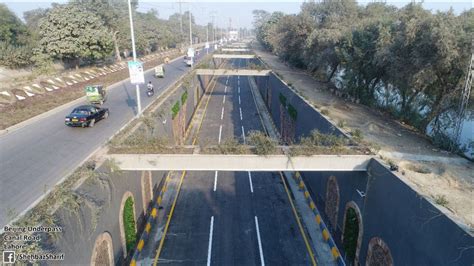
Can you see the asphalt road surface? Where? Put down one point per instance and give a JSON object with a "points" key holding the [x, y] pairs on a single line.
{"points": [[231, 112], [232, 218], [36, 157]]}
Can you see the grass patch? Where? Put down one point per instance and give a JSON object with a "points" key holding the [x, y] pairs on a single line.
{"points": [[264, 145], [325, 111], [231, 146], [129, 224], [318, 143], [357, 135], [341, 123], [418, 168]]}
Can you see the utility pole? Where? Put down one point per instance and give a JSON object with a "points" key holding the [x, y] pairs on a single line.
{"points": [[190, 35], [180, 21], [137, 87]]}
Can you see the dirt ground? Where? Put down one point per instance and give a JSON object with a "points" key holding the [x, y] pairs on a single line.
{"points": [[444, 178]]}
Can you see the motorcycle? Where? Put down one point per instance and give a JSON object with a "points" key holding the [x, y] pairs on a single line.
{"points": [[150, 92]]}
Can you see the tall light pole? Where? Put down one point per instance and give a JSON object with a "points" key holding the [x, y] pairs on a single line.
{"points": [[180, 22], [137, 87]]}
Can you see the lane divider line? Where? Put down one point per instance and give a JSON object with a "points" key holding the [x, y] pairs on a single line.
{"points": [[262, 261], [163, 237], [225, 89], [239, 89], [239, 100], [220, 134], [209, 248], [222, 113], [215, 181], [223, 100], [243, 133], [250, 181], [303, 234], [240, 110]]}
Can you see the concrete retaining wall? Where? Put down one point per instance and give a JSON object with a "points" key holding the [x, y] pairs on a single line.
{"points": [[308, 118], [99, 212], [415, 231]]}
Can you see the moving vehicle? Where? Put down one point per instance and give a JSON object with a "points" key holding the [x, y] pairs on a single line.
{"points": [[86, 115], [160, 71], [189, 61], [149, 89], [96, 94]]}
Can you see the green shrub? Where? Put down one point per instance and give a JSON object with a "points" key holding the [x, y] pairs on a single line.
{"points": [[175, 110], [357, 135], [441, 200], [184, 97], [292, 112], [231, 146], [129, 224], [15, 56], [282, 99]]}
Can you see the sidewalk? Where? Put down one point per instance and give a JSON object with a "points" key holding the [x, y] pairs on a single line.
{"points": [[451, 176]]}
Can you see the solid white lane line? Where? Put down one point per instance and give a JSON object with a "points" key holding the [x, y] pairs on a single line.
{"points": [[222, 113], [243, 133], [223, 100], [215, 181], [259, 242], [240, 110], [250, 181], [209, 248], [220, 134]]}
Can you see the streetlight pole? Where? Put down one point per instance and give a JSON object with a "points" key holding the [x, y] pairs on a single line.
{"points": [[137, 87], [190, 35]]}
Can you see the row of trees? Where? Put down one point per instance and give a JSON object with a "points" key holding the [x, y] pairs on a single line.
{"points": [[86, 32], [407, 60]]}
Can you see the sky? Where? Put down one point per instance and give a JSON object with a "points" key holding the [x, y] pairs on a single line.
{"points": [[239, 12]]}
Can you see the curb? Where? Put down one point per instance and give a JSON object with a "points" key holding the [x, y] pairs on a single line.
{"points": [[151, 217], [317, 216]]}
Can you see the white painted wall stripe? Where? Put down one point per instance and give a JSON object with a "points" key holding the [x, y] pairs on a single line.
{"points": [[262, 261], [250, 181], [220, 134], [209, 248]]}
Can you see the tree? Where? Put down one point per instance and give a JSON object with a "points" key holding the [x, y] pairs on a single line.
{"points": [[12, 30], [70, 33]]}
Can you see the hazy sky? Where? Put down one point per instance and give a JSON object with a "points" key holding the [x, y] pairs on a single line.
{"points": [[240, 12]]}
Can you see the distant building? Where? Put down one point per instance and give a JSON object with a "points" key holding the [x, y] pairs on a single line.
{"points": [[233, 35]]}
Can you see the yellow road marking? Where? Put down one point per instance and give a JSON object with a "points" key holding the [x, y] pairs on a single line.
{"points": [[162, 241], [308, 247]]}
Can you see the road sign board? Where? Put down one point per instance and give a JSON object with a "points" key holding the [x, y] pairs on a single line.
{"points": [[136, 72]]}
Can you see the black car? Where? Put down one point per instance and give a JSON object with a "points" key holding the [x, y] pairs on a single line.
{"points": [[86, 115]]}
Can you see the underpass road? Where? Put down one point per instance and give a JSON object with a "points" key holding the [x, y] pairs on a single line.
{"points": [[233, 208], [36, 157], [232, 218]]}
